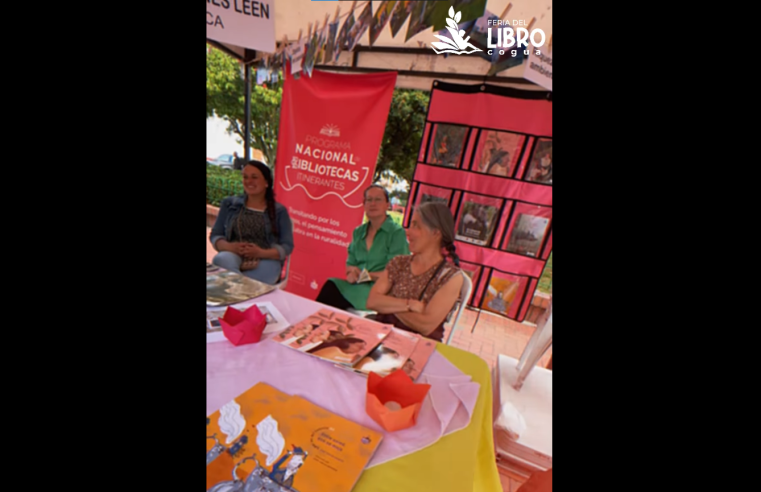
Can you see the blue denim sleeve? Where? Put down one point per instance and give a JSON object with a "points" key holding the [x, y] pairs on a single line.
{"points": [[285, 233], [218, 231]]}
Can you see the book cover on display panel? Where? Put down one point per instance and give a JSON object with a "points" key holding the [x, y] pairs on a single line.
{"points": [[504, 293], [527, 236], [498, 153], [477, 219], [540, 167], [447, 145]]}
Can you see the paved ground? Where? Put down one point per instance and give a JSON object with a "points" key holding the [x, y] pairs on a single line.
{"points": [[509, 483], [493, 335]]}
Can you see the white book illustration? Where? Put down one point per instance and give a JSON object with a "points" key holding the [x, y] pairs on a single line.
{"points": [[269, 439], [364, 276]]}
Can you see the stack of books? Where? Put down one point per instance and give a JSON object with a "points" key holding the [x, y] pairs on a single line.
{"points": [[532, 450], [358, 344], [224, 288]]}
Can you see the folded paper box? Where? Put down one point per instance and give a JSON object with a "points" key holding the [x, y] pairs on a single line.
{"points": [[243, 327], [394, 401]]}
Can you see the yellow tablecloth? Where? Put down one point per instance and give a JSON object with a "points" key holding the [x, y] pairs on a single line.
{"points": [[463, 461]]}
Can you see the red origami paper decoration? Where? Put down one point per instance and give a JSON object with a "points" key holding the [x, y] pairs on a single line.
{"points": [[243, 327], [396, 387]]}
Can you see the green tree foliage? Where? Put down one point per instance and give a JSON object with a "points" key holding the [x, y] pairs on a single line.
{"points": [[221, 183], [404, 131], [226, 97]]}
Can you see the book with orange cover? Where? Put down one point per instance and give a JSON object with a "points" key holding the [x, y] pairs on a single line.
{"points": [[334, 336], [267, 440], [390, 355], [419, 358]]}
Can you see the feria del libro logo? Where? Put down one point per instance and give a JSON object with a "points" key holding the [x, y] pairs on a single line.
{"points": [[507, 39]]}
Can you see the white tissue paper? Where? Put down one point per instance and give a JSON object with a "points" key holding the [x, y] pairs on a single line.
{"points": [[511, 421]]}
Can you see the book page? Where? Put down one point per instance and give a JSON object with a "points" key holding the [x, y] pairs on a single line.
{"points": [[419, 358], [337, 449], [302, 335], [334, 336], [390, 355], [364, 276]]}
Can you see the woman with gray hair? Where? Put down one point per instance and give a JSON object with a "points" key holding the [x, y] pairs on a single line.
{"points": [[415, 293]]}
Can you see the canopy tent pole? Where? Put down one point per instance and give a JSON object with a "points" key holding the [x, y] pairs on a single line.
{"points": [[539, 343], [247, 139], [249, 59]]}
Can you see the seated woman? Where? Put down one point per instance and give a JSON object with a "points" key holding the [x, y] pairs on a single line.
{"points": [[253, 233], [373, 244], [415, 293]]}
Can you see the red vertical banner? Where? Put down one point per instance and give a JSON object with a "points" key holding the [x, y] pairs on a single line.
{"points": [[331, 127]]}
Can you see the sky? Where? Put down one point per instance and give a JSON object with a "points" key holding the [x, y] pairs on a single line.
{"points": [[218, 142]]}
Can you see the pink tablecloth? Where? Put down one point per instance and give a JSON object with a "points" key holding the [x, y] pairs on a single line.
{"points": [[232, 370]]}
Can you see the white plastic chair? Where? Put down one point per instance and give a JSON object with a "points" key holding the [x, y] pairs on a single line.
{"points": [[284, 281], [465, 291], [281, 285]]}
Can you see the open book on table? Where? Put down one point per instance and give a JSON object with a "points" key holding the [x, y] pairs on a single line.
{"points": [[400, 350], [334, 336], [358, 344]]}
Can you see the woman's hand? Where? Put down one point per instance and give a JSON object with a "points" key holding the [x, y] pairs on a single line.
{"points": [[352, 274], [240, 250], [250, 251], [224, 245], [416, 306]]}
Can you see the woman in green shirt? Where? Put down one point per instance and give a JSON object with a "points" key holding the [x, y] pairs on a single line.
{"points": [[373, 244]]}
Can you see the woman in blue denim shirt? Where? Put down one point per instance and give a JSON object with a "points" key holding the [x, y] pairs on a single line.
{"points": [[253, 233]]}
